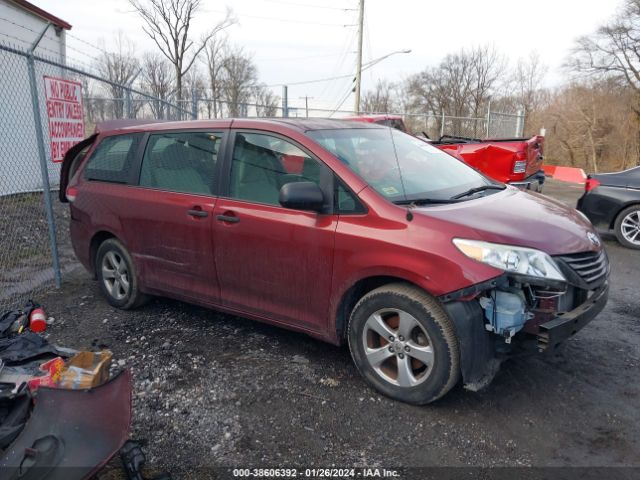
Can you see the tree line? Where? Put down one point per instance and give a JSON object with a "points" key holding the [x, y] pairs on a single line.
{"points": [[591, 119]]}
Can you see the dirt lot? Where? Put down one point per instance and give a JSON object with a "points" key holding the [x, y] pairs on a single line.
{"points": [[214, 389]]}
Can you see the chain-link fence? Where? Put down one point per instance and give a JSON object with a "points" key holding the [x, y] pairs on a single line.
{"points": [[35, 248], [493, 125]]}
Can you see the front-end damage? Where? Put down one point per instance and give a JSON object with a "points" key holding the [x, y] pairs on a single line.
{"points": [[515, 314]]}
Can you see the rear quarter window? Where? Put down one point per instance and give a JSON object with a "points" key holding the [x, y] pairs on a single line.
{"points": [[112, 159]]}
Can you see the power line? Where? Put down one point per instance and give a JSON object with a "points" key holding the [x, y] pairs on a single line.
{"points": [[284, 20], [341, 102], [284, 59], [102, 50], [306, 5], [40, 46], [365, 66]]}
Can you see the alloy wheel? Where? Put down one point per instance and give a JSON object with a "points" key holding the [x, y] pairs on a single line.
{"points": [[397, 347], [115, 275], [630, 227]]}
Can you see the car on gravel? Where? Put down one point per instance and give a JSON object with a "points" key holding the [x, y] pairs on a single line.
{"points": [[353, 233], [612, 202]]}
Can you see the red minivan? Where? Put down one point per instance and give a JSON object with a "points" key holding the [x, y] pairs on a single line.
{"points": [[356, 233]]}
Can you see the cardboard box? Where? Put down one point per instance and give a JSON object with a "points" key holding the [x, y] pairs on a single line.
{"points": [[86, 370]]}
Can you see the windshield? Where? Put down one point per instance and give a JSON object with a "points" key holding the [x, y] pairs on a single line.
{"points": [[401, 167]]}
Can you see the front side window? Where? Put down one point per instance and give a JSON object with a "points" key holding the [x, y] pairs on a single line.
{"points": [[262, 164], [112, 159], [181, 162], [400, 167]]}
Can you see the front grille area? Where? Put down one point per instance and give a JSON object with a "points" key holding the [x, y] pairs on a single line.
{"points": [[591, 267]]}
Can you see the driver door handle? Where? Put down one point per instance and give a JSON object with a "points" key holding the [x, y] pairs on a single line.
{"points": [[197, 213], [228, 218]]}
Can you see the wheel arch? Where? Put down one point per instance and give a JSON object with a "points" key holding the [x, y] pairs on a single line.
{"points": [[356, 291], [614, 217], [95, 243]]}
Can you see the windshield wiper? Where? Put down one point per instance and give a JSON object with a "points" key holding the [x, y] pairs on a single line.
{"points": [[425, 201], [471, 191]]}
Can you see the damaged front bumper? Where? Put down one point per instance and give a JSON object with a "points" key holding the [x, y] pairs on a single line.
{"points": [[567, 324], [482, 351]]}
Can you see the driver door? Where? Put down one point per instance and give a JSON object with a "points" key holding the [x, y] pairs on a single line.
{"points": [[272, 261]]}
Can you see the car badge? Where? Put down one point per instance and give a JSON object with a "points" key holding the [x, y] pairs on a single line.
{"points": [[593, 238]]}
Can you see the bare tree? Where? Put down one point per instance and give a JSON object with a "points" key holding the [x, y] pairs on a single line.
{"points": [[266, 101], [487, 69], [380, 99], [157, 81], [613, 50], [527, 80], [459, 86], [168, 24], [238, 77], [120, 67], [215, 53], [195, 87]]}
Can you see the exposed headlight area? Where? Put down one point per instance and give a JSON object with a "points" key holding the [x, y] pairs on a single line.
{"points": [[513, 259]]}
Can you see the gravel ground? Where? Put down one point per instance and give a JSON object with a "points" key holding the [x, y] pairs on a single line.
{"points": [[215, 389]]}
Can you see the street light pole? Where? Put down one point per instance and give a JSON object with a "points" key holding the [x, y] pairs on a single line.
{"points": [[365, 67], [356, 107]]}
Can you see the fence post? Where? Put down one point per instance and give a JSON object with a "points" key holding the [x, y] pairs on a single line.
{"points": [[44, 171], [488, 117], [520, 124], [127, 100], [442, 126], [285, 101], [194, 105]]}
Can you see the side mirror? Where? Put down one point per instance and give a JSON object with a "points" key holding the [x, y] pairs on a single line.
{"points": [[302, 196]]}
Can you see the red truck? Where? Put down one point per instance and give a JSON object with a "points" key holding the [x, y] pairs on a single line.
{"points": [[517, 161]]}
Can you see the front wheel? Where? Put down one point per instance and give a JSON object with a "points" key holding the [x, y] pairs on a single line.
{"points": [[627, 227], [117, 276], [404, 344]]}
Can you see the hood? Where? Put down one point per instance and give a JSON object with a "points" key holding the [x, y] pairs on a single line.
{"points": [[520, 218]]}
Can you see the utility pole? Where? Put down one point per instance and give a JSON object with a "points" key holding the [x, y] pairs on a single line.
{"points": [[306, 105], [356, 107]]}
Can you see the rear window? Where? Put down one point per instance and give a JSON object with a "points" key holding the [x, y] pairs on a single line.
{"points": [[113, 157]]}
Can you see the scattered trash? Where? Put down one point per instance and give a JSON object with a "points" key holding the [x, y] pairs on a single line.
{"points": [[133, 460], [15, 321], [46, 424], [51, 377], [24, 347], [329, 382], [86, 370], [37, 320]]}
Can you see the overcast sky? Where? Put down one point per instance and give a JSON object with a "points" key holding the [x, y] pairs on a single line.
{"points": [[298, 40]]}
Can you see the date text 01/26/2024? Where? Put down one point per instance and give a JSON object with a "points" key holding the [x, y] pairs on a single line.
{"points": [[314, 473]]}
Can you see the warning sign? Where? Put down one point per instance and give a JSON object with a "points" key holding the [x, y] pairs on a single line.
{"points": [[66, 117]]}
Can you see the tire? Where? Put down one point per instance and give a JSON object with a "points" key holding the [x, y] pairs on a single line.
{"points": [[117, 276], [627, 227], [418, 368]]}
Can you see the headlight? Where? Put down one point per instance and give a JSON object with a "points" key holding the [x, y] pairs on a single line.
{"points": [[520, 260]]}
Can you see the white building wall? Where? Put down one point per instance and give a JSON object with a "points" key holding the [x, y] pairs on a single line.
{"points": [[19, 158]]}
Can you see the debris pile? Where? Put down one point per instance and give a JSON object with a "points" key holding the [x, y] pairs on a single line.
{"points": [[59, 407]]}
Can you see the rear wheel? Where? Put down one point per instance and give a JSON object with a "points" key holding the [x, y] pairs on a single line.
{"points": [[404, 344], [627, 227], [117, 276]]}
